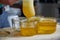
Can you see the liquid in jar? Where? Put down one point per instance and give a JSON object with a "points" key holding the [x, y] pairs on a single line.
{"points": [[46, 26]]}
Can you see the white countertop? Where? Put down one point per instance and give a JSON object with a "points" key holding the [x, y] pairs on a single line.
{"points": [[54, 36]]}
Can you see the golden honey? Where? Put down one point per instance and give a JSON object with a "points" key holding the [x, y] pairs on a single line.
{"points": [[46, 26], [28, 8], [27, 29]]}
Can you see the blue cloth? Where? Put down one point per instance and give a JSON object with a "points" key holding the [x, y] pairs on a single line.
{"points": [[4, 20]]}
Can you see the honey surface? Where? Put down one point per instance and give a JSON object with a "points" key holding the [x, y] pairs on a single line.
{"points": [[46, 27], [28, 31]]}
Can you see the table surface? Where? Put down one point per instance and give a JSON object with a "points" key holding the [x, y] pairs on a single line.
{"points": [[54, 36]]}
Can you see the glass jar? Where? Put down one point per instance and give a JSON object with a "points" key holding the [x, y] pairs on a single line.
{"points": [[46, 25], [27, 28]]}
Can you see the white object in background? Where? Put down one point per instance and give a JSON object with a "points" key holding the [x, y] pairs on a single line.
{"points": [[7, 8], [16, 18], [12, 11], [16, 23]]}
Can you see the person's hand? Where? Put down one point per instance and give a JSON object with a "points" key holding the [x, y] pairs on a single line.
{"points": [[9, 2]]}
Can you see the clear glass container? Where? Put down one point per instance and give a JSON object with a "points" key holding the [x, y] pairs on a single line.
{"points": [[27, 28], [46, 25]]}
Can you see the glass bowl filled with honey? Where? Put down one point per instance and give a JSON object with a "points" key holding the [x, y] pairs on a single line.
{"points": [[46, 25], [27, 28]]}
